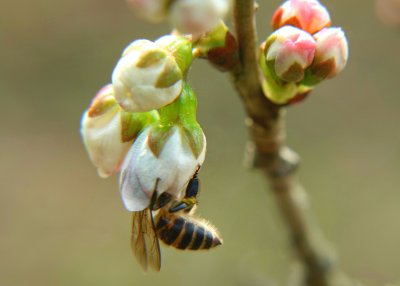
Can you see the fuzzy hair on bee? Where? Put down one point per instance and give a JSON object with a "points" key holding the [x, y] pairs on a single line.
{"points": [[172, 222], [186, 231]]}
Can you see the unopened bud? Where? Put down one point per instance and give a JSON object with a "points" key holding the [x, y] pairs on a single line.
{"points": [[288, 52], [219, 47], [151, 10], [331, 54], [180, 48], [147, 77], [197, 16], [108, 131], [308, 15]]}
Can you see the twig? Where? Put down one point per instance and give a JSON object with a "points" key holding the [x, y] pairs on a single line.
{"points": [[267, 147]]}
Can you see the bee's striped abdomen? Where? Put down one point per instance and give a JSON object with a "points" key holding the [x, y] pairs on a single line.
{"points": [[183, 232]]}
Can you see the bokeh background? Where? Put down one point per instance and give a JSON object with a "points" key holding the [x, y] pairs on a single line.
{"points": [[60, 224]]}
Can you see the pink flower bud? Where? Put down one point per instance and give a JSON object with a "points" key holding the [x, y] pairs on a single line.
{"points": [[288, 52], [331, 54], [308, 15]]}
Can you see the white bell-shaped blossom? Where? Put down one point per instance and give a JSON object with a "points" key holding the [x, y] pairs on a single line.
{"points": [[173, 166], [101, 130], [108, 131]]}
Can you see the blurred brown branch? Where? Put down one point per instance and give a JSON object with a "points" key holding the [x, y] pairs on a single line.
{"points": [[267, 149]]}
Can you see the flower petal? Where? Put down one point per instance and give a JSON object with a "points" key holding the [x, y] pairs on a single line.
{"points": [[173, 168]]}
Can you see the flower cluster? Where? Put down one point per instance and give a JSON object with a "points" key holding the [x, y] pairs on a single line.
{"points": [[302, 51], [144, 123], [108, 131], [201, 21]]}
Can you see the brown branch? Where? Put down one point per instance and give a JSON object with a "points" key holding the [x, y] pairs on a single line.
{"points": [[267, 149]]}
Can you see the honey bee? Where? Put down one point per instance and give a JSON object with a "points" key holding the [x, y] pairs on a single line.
{"points": [[174, 225], [184, 231]]}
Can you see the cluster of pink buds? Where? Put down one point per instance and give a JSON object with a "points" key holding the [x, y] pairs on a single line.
{"points": [[303, 50]]}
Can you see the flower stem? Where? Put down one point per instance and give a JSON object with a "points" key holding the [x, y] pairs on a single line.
{"points": [[267, 149]]}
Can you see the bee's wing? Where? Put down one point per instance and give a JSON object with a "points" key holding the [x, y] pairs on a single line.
{"points": [[144, 240]]}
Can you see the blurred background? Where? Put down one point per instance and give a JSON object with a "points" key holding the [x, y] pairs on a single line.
{"points": [[60, 224]]}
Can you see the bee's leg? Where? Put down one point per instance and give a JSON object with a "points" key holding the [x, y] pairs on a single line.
{"points": [[186, 205], [162, 200], [158, 201], [182, 205], [153, 199]]}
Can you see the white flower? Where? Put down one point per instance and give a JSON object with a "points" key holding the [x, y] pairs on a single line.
{"points": [[147, 77], [173, 167], [101, 130], [197, 16]]}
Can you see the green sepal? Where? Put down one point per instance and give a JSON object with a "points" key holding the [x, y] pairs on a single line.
{"points": [[193, 135], [158, 135], [318, 72], [219, 47], [169, 76], [192, 130], [265, 45], [310, 79], [169, 114], [182, 110], [270, 66], [132, 123], [150, 57], [275, 89], [180, 48], [102, 106], [187, 102], [104, 102], [210, 40], [182, 114]]}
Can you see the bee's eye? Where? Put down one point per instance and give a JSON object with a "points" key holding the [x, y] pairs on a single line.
{"points": [[192, 188]]}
